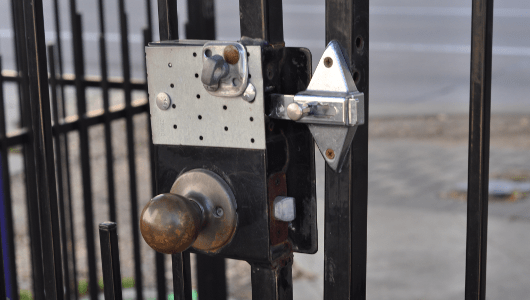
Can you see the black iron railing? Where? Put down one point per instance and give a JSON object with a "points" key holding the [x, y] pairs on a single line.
{"points": [[43, 139]]}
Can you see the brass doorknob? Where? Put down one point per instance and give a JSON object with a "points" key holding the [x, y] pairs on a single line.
{"points": [[170, 223], [199, 211]]}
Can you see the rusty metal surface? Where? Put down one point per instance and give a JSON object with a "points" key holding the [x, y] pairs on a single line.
{"points": [[218, 205], [170, 223], [277, 186]]}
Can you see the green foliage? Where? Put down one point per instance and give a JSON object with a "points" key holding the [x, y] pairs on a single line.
{"points": [[127, 282], [100, 283], [194, 296], [25, 295], [82, 287]]}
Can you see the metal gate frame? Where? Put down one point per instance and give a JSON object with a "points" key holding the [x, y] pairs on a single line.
{"points": [[345, 221]]}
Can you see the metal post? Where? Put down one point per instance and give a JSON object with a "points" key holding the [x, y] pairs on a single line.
{"points": [[43, 148], [201, 20], [479, 140], [272, 282], [29, 165], [67, 234], [59, 156], [79, 69], [168, 20], [181, 276], [6, 215], [347, 192], [262, 19], [110, 260], [211, 277], [3, 286]]}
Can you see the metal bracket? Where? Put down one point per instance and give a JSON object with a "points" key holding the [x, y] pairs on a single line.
{"points": [[225, 69], [331, 106]]}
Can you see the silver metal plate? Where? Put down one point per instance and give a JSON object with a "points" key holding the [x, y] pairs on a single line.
{"points": [[197, 118]]}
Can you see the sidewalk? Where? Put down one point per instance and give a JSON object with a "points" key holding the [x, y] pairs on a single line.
{"points": [[416, 233]]}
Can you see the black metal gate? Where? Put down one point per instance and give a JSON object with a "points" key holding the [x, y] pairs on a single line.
{"points": [[43, 139]]}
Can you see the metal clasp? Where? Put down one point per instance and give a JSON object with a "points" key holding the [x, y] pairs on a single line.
{"points": [[330, 99], [225, 70]]}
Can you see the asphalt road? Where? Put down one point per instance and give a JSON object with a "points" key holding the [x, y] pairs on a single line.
{"points": [[419, 52]]}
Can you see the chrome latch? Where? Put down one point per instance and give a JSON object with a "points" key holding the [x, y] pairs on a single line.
{"points": [[225, 70], [331, 106]]}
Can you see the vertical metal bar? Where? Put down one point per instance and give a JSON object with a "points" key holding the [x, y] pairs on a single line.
{"points": [[201, 20], [131, 150], [3, 286], [347, 192], [63, 162], [43, 145], [159, 257], [181, 268], [271, 283], [168, 20], [20, 52], [8, 241], [211, 277], [59, 170], [479, 147], [32, 202], [106, 105], [168, 30], [79, 66], [110, 260], [148, 30], [262, 19]]}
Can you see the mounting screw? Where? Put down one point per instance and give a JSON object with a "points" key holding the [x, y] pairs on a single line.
{"points": [[231, 55], [219, 212], [328, 62], [330, 154], [163, 101]]}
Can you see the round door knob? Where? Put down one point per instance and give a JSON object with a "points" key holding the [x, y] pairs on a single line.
{"points": [[170, 223], [199, 211]]}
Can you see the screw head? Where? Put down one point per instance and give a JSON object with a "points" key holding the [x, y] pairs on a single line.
{"points": [[328, 62], [219, 212], [330, 154], [163, 101], [231, 55]]}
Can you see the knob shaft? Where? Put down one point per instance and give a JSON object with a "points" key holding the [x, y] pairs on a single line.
{"points": [[171, 223]]}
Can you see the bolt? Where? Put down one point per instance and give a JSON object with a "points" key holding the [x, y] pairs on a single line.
{"points": [[219, 212], [328, 62], [330, 154], [231, 55], [163, 101]]}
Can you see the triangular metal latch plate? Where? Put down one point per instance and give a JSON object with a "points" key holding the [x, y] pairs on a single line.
{"points": [[333, 76]]}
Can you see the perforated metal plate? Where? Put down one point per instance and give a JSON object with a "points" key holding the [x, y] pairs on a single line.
{"points": [[196, 118]]}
